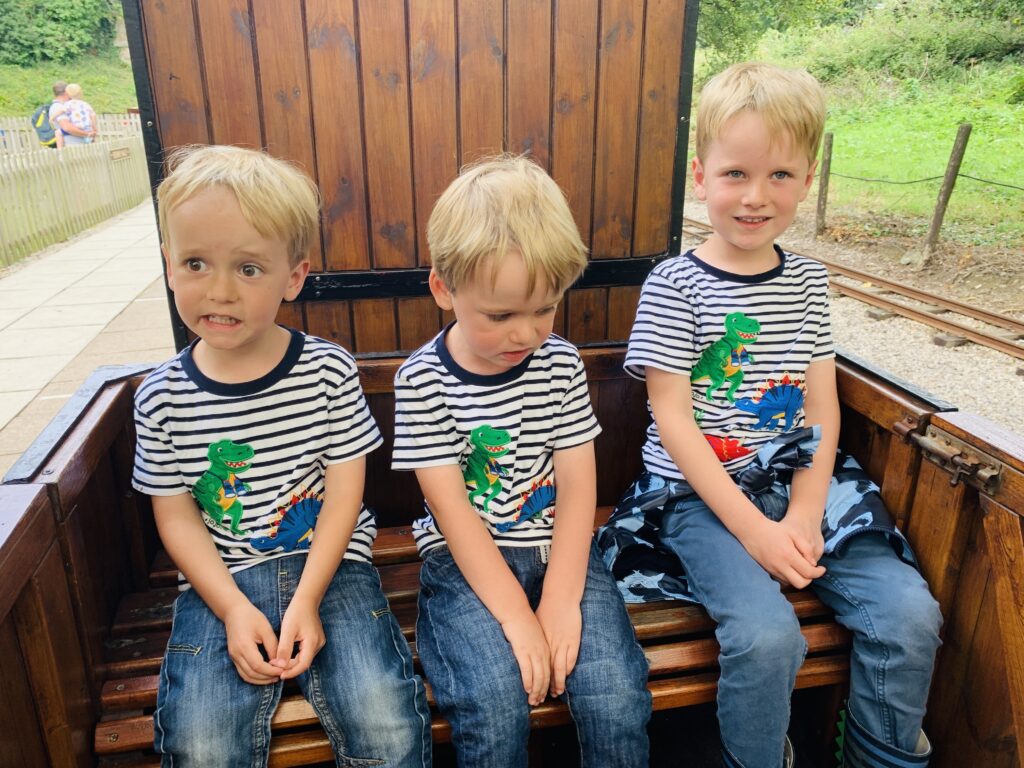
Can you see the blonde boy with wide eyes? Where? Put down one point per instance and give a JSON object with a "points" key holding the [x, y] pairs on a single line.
{"points": [[252, 445], [494, 416], [742, 483]]}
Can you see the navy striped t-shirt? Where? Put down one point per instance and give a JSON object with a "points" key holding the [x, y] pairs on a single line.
{"points": [[745, 342], [254, 455], [502, 430]]}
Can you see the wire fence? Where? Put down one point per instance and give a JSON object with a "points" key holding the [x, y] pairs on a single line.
{"points": [[929, 178]]}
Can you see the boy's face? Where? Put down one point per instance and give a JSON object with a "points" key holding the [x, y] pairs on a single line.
{"points": [[752, 187], [228, 279], [499, 321]]}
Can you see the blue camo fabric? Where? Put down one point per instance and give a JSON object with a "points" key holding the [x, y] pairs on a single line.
{"points": [[646, 571]]}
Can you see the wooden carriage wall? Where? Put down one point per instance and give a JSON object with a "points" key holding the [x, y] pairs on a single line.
{"points": [[382, 102]]}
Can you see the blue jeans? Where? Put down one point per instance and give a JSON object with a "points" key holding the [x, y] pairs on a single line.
{"points": [[885, 603], [478, 686], [361, 683]]}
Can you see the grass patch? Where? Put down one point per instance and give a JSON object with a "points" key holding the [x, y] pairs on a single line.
{"points": [[106, 81]]}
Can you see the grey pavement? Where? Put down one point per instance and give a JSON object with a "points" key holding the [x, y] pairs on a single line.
{"points": [[95, 300]]}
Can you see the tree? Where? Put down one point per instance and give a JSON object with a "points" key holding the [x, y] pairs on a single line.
{"points": [[54, 30]]}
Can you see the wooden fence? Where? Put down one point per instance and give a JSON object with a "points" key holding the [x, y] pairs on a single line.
{"points": [[47, 196], [17, 135]]}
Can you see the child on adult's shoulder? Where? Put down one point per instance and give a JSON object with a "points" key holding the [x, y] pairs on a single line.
{"points": [[494, 416], [733, 339], [252, 444]]}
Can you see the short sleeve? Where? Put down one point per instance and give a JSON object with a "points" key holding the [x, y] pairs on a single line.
{"points": [[156, 470], [823, 345], [663, 332], [576, 421], [353, 431], [425, 431]]}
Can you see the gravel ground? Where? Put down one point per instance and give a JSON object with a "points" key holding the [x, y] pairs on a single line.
{"points": [[971, 377]]}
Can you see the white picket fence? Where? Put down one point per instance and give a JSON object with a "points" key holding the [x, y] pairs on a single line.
{"points": [[17, 134], [48, 195]]}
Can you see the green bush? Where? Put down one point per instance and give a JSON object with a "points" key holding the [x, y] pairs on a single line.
{"points": [[106, 82], [32, 31]]}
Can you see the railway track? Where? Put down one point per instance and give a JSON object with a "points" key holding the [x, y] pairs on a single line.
{"points": [[1004, 334]]}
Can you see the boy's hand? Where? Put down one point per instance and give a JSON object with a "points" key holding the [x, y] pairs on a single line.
{"points": [[806, 532], [530, 648], [774, 547], [301, 624], [562, 625], [247, 629]]}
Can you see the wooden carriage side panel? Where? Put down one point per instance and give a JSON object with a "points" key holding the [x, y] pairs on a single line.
{"points": [[622, 303], [279, 32], [175, 72], [290, 314], [373, 325], [587, 315], [1004, 540], [528, 73], [385, 76], [619, 62], [432, 79], [659, 109], [481, 59], [338, 131], [419, 320], [17, 705], [229, 73], [574, 103]]}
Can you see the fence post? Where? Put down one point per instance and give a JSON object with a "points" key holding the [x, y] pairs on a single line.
{"points": [[823, 175], [952, 169]]}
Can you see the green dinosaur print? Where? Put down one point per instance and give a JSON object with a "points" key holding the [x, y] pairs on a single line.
{"points": [[480, 469], [218, 489], [723, 360]]}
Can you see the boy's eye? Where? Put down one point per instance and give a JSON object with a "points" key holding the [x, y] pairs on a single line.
{"points": [[734, 174], [546, 310], [251, 270], [780, 175], [499, 318], [194, 265]]}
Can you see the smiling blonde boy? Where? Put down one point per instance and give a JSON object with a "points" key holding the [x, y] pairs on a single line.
{"points": [[252, 445], [742, 484], [494, 416]]}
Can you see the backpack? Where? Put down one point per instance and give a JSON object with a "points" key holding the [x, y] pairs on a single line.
{"points": [[41, 123]]}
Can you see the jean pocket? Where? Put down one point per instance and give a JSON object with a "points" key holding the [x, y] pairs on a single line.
{"points": [[184, 648]]}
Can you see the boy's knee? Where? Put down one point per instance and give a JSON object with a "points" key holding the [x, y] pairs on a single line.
{"points": [[914, 622], [766, 642]]}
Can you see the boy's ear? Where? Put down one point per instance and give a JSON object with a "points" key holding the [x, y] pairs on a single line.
{"points": [[167, 265], [698, 179], [439, 291], [296, 279]]}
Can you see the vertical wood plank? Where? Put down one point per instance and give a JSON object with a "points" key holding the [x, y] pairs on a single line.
{"points": [[572, 128], [481, 78], [615, 149], [419, 320], [175, 73], [588, 315], [938, 530], [529, 79], [385, 77], [331, 320], [622, 303], [284, 87], [373, 323], [903, 462], [659, 104], [17, 711], [1005, 544], [49, 642], [432, 70], [226, 30], [289, 314], [337, 129]]}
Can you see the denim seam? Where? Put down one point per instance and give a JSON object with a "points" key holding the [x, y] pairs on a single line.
{"points": [[263, 713], [157, 727], [456, 729], [885, 715]]}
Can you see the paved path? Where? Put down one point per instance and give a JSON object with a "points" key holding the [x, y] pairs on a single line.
{"points": [[96, 300]]}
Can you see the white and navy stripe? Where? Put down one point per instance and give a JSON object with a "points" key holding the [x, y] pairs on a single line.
{"points": [[682, 312], [305, 414], [542, 403]]}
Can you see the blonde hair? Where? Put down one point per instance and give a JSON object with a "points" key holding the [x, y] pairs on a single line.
{"points": [[74, 90], [504, 203], [276, 198], [790, 101]]}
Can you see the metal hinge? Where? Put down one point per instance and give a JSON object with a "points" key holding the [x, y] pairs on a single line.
{"points": [[962, 460]]}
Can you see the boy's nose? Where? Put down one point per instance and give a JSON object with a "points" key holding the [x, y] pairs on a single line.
{"points": [[221, 288], [521, 333], [754, 194]]}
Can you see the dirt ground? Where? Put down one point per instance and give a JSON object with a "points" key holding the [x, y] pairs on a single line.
{"points": [[990, 277]]}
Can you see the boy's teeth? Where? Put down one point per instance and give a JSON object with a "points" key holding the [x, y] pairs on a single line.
{"points": [[220, 319]]}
